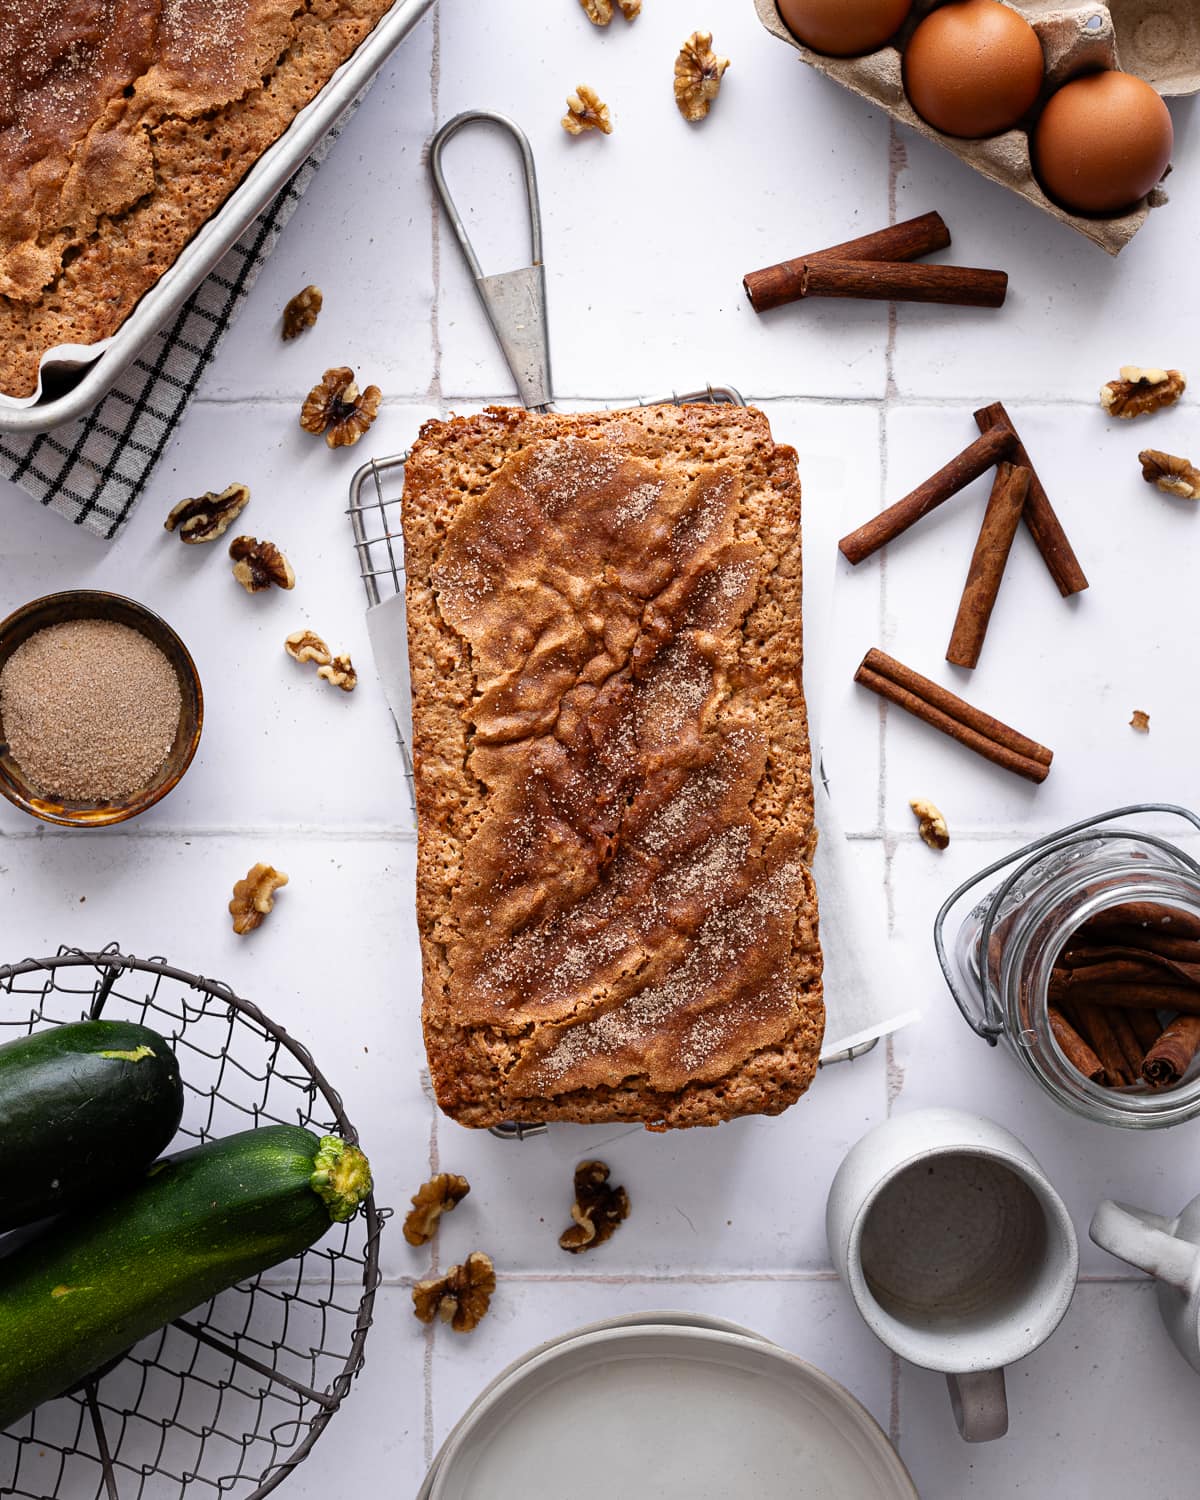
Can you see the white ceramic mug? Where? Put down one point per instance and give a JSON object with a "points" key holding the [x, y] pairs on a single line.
{"points": [[958, 1252]]}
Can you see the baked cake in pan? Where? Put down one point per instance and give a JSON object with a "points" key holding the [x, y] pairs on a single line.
{"points": [[616, 906], [124, 125]]}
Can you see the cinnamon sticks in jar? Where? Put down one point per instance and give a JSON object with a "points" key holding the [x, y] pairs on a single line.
{"points": [[1111, 988]]}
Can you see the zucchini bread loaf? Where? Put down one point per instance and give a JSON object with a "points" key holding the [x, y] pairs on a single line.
{"points": [[616, 907], [124, 125]]}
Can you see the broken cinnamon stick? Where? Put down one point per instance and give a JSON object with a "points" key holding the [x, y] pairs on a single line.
{"points": [[1075, 1049], [774, 286], [1044, 525], [964, 467], [988, 561], [961, 721], [1172, 1054], [898, 281]]}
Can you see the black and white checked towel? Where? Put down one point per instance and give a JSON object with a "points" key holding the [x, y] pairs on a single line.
{"points": [[93, 470]]}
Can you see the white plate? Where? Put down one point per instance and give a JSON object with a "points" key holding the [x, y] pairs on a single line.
{"points": [[629, 1320], [680, 1413]]}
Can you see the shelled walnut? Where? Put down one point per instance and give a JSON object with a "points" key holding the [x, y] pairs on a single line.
{"points": [[1139, 391], [305, 646], [698, 74], [931, 825], [302, 311], [254, 897], [600, 12], [336, 407], [1177, 476], [1140, 721], [206, 517], [440, 1195], [340, 671], [597, 1209], [461, 1297], [257, 565], [586, 111]]}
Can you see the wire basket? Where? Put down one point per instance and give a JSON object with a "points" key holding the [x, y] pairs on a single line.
{"points": [[228, 1400]]}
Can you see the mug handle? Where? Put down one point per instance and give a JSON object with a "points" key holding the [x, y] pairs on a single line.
{"points": [[979, 1404]]}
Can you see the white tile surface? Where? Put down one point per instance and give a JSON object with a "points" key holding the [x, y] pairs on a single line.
{"points": [[647, 236]]}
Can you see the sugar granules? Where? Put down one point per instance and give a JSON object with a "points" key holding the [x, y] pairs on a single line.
{"points": [[90, 709]]}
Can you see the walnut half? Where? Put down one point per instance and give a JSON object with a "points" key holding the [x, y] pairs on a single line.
{"points": [[586, 111], [336, 407], [207, 516], [305, 646], [600, 12], [302, 311], [440, 1195], [931, 825], [698, 73], [340, 671], [1140, 391], [254, 897], [257, 565], [461, 1297], [1177, 476], [597, 1209]]}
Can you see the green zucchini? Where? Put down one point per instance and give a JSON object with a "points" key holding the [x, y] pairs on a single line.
{"points": [[82, 1107], [196, 1223]]}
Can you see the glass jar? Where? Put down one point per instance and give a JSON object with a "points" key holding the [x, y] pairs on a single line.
{"points": [[1007, 944]]}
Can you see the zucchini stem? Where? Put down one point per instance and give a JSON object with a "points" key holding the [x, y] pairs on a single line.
{"points": [[341, 1177]]}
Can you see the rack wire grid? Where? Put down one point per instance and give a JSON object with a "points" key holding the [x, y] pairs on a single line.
{"points": [[228, 1400]]}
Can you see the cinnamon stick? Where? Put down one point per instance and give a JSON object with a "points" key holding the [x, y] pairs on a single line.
{"points": [[1186, 950], [1130, 996], [1075, 1049], [1044, 525], [1126, 965], [964, 467], [988, 561], [1172, 1054], [898, 281], [1131, 1049], [776, 285], [1145, 1026], [961, 721], [1150, 918], [1098, 1030]]}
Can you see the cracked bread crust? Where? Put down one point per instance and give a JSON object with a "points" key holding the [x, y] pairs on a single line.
{"points": [[124, 125], [616, 908]]}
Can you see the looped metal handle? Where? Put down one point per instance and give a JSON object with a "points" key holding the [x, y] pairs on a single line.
{"points": [[436, 147], [515, 301]]}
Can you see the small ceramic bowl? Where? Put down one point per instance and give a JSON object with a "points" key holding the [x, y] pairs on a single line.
{"points": [[91, 604]]}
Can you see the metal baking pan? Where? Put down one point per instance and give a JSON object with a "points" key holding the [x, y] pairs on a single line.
{"points": [[207, 246]]}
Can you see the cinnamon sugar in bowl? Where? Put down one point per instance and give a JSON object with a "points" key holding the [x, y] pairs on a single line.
{"points": [[100, 708]]}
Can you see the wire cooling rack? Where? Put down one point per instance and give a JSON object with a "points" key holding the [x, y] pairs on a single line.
{"points": [[227, 1401]]}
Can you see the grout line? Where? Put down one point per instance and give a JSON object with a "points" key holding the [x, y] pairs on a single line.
{"points": [[433, 395], [893, 1073], [434, 392], [406, 1280], [608, 398]]}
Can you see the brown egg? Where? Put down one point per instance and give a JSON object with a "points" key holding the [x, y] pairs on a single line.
{"points": [[1103, 141], [973, 68], [844, 28]]}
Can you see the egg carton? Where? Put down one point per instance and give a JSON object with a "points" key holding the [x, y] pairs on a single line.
{"points": [[1159, 40]]}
